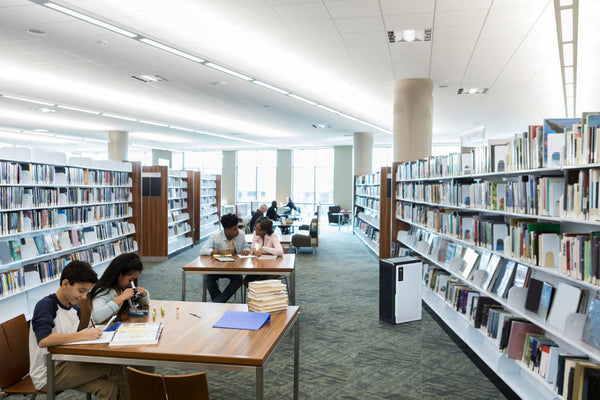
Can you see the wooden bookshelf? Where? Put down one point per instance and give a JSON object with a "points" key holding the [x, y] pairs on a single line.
{"points": [[166, 201], [372, 216], [435, 201], [53, 211]]}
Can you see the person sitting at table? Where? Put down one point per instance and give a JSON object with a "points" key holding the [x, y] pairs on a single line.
{"points": [[55, 321], [272, 212], [264, 241], [229, 241], [291, 206], [257, 214]]}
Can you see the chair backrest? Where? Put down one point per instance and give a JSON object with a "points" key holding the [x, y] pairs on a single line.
{"points": [[334, 209], [184, 387], [145, 386], [14, 350], [86, 313], [148, 386]]}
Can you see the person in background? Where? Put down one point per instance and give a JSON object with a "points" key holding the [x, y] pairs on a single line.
{"points": [[272, 212], [110, 294], [229, 241], [257, 214], [55, 321], [264, 242], [291, 206]]}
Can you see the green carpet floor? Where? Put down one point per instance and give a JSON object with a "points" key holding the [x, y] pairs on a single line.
{"points": [[346, 352]]}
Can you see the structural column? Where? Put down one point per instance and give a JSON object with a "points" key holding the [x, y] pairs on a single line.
{"points": [[118, 145], [363, 153], [343, 181], [413, 116], [228, 178], [283, 185]]}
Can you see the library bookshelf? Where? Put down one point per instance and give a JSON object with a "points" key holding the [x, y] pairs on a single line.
{"points": [[53, 211], [166, 202], [372, 205], [207, 204], [443, 210]]}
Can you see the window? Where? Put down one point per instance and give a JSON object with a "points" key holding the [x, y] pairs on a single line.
{"points": [[145, 156], [312, 177], [443, 149], [177, 160], [209, 162], [256, 175]]}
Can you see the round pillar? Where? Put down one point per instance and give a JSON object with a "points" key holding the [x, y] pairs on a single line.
{"points": [[413, 119], [118, 145], [363, 153]]}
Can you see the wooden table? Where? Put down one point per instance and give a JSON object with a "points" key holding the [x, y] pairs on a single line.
{"points": [[191, 342], [242, 266]]}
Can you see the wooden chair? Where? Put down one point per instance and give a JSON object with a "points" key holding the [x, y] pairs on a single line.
{"points": [[147, 386], [86, 313], [14, 353]]}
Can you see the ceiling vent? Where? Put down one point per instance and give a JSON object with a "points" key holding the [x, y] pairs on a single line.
{"points": [[410, 35], [472, 91], [148, 78]]}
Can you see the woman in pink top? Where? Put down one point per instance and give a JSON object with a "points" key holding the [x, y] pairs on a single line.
{"points": [[264, 240]]}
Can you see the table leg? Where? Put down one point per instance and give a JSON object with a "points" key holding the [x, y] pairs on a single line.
{"points": [[296, 357], [50, 377], [183, 286], [204, 278], [293, 288], [259, 383]]}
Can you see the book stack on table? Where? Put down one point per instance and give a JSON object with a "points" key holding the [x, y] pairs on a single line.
{"points": [[267, 296]]}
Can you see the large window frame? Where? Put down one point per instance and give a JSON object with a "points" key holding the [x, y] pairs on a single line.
{"points": [[312, 177], [256, 174]]}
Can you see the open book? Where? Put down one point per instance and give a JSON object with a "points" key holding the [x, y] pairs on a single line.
{"points": [[133, 334]]}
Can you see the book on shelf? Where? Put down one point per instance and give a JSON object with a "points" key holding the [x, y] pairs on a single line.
{"points": [[516, 339], [591, 329], [566, 302], [505, 278], [545, 301], [534, 294], [555, 126]]}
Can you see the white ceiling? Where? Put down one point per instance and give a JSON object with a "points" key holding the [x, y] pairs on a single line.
{"points": [[335, 52]]}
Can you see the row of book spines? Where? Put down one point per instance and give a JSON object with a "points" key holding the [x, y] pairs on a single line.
{"points": [[370, 232], [371, 179], [495, 322], [368, 190], [32, 247], [14, 173], [15, 281], [32, 220], [369, 203], [584, 265]]}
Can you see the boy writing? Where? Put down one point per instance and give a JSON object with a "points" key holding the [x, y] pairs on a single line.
{"points": [[55, 321]]}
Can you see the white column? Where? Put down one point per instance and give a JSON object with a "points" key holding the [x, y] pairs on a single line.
{"points": [[343, 180], [413, 116], [363, 153], [118, 145], [228, 178]]}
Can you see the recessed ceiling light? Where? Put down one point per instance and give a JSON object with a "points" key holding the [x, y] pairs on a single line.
{"points": [[148, 78], [102, 42], [45, 110], [40, 130], [219, 83], [36, 32], [472, 91], [320, 126]]}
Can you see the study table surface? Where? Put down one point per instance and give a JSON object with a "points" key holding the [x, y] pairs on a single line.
{"points": [[282, 265], [191, 342]]}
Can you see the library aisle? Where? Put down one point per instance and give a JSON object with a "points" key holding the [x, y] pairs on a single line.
{"points": [[346, 352]]}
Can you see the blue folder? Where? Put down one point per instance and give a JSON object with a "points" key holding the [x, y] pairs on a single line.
{"points": [[242, 320]]}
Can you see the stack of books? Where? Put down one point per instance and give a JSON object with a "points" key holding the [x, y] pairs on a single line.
{"points": [[267, 296]]}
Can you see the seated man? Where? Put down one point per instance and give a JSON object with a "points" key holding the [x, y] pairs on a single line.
{"points": [[257, 214], [55, 321], [229, 241]]}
